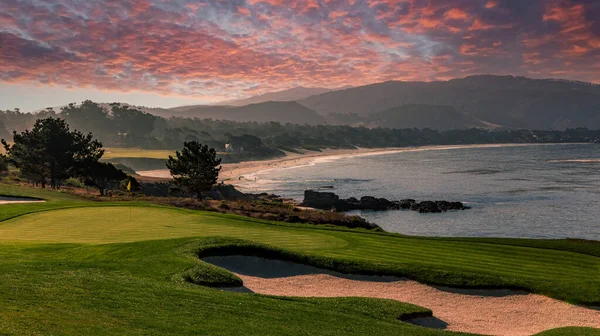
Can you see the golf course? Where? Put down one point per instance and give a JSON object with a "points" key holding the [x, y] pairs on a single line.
{"points": [[74, 266]]}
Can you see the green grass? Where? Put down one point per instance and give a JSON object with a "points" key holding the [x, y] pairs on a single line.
{"points": [[110, 268], [114, 152]]}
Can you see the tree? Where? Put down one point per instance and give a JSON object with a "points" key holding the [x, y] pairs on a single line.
{"points": [[103, 175], [131, 121], [196, 168], [87, 117], [50, 152], [3, 165]]}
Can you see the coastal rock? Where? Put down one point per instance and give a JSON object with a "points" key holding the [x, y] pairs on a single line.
{"points": [[405, 204], [427, 207], [373, 203], [331, 201], [320, 200]]}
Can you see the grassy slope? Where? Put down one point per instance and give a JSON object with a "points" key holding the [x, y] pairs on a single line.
{"points": [[128, 286]]}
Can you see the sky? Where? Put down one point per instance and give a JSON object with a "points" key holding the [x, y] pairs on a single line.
{"points": [[163, 53]]}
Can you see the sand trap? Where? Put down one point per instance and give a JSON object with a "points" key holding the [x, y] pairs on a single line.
{"points": [[491, 312], [11, 200]]}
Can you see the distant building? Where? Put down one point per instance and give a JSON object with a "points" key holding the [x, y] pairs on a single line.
{"points": [[229, 148]]}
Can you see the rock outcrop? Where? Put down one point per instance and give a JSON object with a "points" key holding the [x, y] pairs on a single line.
{"points": [[331, 201]]}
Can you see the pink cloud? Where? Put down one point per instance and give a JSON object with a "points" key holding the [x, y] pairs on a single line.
{"points": [[259, 45]]}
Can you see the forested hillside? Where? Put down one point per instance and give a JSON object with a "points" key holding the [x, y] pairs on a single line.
{"points": [[119, 125]]}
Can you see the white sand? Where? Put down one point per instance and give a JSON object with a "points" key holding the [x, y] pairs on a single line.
{"points": [[490, 312]]}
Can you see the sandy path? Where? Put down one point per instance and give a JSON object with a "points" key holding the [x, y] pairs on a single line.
{"points": [[490, 312]]}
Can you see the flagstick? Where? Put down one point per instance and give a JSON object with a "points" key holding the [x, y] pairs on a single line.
{"points": [[130, 198]]}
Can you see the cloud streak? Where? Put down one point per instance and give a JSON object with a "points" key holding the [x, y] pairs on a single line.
{"points": [[216, 49]]}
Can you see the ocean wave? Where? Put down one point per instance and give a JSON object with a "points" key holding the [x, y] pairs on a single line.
{"points": [[321, 180], [482, 171], [578, 160]]}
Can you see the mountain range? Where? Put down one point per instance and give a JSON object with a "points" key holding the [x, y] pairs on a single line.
{"points": [[484, 101], [515, 102], [292, 94], [283, 112]]}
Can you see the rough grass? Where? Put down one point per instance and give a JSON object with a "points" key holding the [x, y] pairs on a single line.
{"points": [[92, 270]]}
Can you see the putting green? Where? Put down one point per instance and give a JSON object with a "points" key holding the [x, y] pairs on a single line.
{"points": [[120, 224]]}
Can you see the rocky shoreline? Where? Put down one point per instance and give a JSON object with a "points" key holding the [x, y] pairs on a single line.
{"points": [[331, 201]]}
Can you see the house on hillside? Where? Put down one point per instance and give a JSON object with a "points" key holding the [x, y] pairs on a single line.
{"points": [[229, 148]]}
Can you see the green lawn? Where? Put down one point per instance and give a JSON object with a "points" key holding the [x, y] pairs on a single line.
{"points": [[114, 152], [70, 266]]}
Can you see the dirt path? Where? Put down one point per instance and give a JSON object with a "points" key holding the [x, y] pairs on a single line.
{"points": [[490, 312]]}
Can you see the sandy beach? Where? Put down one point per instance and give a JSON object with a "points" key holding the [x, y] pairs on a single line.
{"points": [[231, 172], [243, 171]]}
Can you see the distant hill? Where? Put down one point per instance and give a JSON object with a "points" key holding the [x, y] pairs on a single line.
{"points": [[426, 116], [509, 101], [283, 112], [292, 94], [478, 101]]}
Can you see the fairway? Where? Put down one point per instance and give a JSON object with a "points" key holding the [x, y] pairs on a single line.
{"points": [[118, 266], [114, 152]]}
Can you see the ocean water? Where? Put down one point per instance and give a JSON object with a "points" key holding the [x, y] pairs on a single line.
{"points": [[538, 191]]}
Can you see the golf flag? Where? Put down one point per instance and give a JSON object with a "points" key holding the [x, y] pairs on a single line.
{"points": [[129, 186]]}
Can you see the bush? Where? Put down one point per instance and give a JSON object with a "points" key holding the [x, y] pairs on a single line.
{"points": [[73, 182], [271, 211]]}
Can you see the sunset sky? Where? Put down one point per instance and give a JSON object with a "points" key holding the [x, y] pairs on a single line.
{"points": [[168, 53]]}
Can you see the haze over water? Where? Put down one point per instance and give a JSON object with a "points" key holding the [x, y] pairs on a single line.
{"points": [[549, 191]]}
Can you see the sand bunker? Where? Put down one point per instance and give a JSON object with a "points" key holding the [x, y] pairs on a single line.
{"points": [[11, 199], [491, 312]]}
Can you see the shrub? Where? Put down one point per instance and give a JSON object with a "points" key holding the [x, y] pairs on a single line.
{"points": [[74, 182]]}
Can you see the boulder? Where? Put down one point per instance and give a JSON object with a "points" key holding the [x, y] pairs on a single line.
{"points": [[373, 203], [320, 200], [446, 206], [331, 201], [427, 207], [405, 204]]}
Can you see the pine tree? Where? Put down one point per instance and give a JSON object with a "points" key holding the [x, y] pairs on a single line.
{"points": [[196, 168]]}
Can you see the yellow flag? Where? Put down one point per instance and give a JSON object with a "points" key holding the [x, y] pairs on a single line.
{"points": [[129, 186]]}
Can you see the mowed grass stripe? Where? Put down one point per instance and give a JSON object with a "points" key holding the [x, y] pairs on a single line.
{"points": [[455, 245], [407, 245], [550, 267], [555, 262], [480, 268]]}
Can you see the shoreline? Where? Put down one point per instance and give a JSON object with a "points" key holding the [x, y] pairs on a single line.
{"points": [[234, 172]]}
